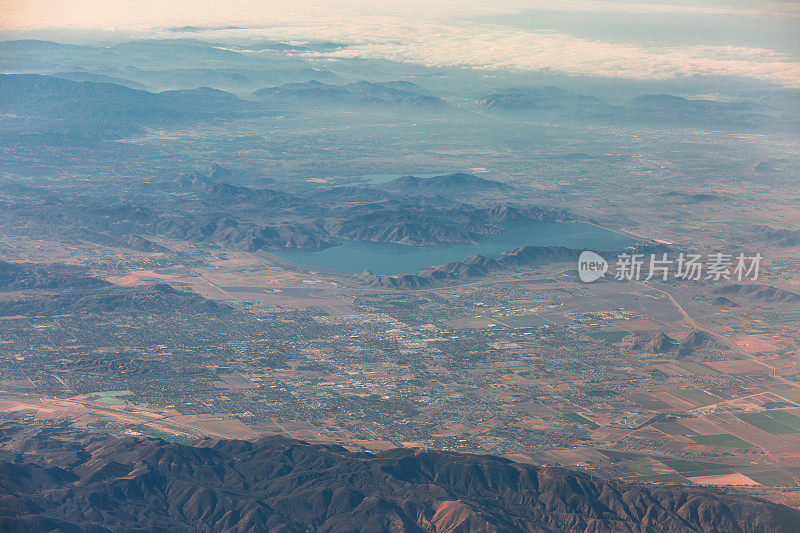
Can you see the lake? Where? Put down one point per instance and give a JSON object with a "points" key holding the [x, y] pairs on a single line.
{"points": [[389, 259]]}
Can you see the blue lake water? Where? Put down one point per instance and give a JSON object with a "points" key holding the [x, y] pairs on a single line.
{"points": [[388, 259]]}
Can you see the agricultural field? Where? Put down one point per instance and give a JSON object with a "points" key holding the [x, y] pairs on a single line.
{"points": [[723, 440], [766, 423]]}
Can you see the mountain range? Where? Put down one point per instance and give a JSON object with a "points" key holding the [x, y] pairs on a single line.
{"points": [[57, 479], [202, 207], [46, 104], [361, 92]]}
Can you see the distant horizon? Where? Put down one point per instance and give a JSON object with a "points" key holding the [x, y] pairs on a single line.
{"points": [[628, 41]]}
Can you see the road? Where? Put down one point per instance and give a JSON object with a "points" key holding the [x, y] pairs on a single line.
{"points": [[716, 336]]}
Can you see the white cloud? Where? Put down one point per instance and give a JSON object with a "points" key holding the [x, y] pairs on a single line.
{"points": [[420, 32], [501, 48]]}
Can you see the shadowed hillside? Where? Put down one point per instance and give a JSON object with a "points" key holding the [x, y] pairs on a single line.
{"points": [[280, 484]]}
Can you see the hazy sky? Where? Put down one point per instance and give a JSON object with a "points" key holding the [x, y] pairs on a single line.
{"points": [[600, 38]]}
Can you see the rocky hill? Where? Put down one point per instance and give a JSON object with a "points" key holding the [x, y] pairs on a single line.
{"points": [[458, 183], [53, 481], [474, 266], [46, 104], [759, 292], [391, 93]]}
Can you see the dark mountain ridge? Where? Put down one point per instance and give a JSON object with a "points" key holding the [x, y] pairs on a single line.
{"points": [[665, 110], [776, 236], [759, 292], [53, 289], [358, 93], [23, 276], [536, 99], [458, 183], [657, 343], [474, 266], [53, 481], [50, 104], [477, 266], [205, 207]]}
